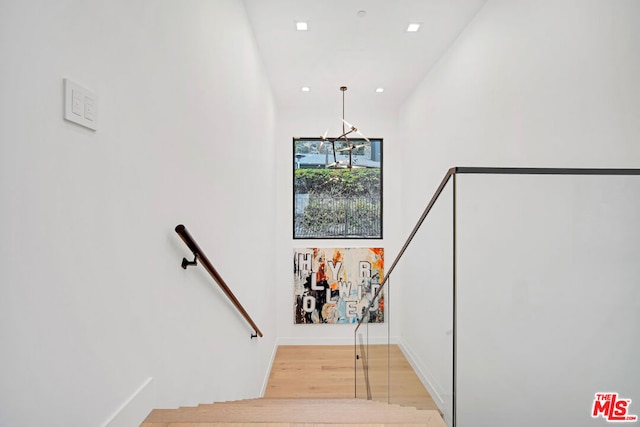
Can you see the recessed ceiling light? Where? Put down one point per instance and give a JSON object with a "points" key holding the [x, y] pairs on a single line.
{"points": [[306, 89], [412, 28], [301, 26], [380, 90]]}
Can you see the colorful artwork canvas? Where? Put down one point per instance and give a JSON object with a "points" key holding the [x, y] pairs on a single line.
{"points": [[334, 285]]}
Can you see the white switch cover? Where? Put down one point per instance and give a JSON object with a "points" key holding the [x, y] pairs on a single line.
{"points": [[89, 109], [76, 102], [80, 105]]}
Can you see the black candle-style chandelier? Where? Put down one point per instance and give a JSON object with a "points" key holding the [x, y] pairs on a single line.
{"points": [[347, 129]]}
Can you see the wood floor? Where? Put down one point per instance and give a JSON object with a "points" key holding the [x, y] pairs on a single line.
{"points": [[327, 372]]}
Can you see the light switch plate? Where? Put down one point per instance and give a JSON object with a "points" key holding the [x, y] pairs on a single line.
{"points": [[80, 105]]}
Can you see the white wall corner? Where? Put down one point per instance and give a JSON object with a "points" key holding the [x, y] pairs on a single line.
{"points": [[135, 409], [269, 367], [425, 377]]}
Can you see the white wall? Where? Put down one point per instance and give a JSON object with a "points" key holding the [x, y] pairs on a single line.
{"points": [[528, 83], [94, 302], [425, 274], [310, 122]]}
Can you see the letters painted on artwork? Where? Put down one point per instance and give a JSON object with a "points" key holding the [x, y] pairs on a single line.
{"points": [[337, 285]]}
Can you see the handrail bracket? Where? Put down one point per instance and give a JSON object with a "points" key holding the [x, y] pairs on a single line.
{"points": [[186, 262]]}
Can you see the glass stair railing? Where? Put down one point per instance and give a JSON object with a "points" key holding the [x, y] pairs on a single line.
{"points": [[515, 300]]}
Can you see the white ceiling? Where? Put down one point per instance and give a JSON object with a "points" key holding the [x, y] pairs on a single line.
{"points": [[342, 48]]}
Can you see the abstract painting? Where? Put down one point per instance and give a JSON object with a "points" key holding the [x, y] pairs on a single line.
{"points": [[337, 285]]}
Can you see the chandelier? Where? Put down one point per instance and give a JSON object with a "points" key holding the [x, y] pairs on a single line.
{"points": [[347, 129]]}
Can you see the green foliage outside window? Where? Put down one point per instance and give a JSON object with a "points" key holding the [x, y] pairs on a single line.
{"points": [[338, 182]]}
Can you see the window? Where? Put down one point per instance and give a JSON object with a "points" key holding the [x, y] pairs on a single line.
{"points": [[337, 188]]}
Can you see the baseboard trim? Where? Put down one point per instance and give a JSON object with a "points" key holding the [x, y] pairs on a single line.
{"points": [[381, 339], [118, 416], [265, 381], [422, 376], [314, 341]]}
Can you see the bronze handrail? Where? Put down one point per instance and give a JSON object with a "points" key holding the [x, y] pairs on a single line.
{"points": [[199, 255]]}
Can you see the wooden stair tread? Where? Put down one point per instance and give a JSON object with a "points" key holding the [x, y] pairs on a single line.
{"points": [[261, 402], [181, 424], [295, 411]]}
